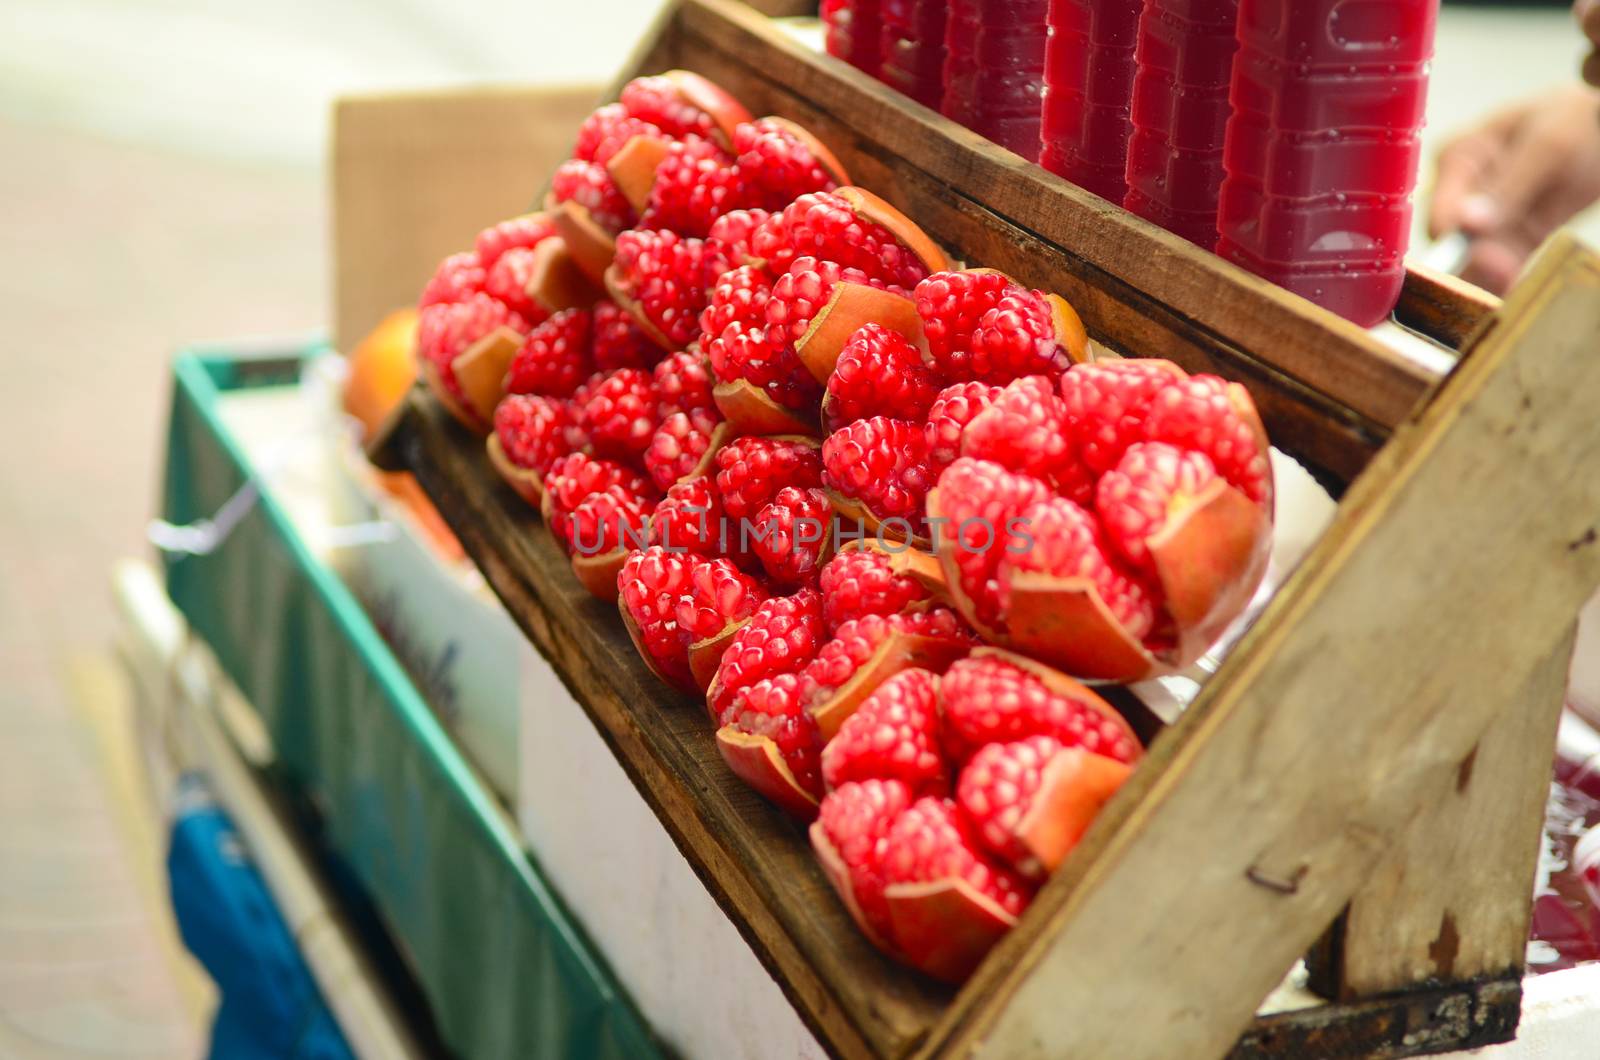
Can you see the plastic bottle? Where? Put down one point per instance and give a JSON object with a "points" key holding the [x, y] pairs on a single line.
{"points": [[1180, 114], [1323, 146], [1089, 70], [854, 33], [914, 48], [994, 70]]}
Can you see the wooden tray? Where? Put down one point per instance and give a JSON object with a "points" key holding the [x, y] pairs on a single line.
{"points": [[1368, 767]]}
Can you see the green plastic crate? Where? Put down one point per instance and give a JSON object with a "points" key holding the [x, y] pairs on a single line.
{"points": [[505, 970]]}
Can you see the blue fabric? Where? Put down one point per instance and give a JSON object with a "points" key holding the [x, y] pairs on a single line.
{"points": [[271, 1008]]}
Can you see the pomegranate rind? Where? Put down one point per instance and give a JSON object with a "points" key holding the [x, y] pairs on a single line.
{"points": [[644, 652], [750, 410], [831, 708], [945, 548], [849, 307], [756, 761], [819, 150], [1065, 685], [1074, 787], [617, 288], [525, 481], [1210, 559], [453, 405], [853, 509], [866, 205], [1070, 332], [1065, 622], [726, 111], [480, 372], [561, 277], [838, 874], [945, 928], [633, 168], [706, 655], [598, 573]]}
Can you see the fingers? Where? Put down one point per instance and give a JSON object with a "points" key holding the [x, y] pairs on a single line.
{"points": [[1515, 186], [1496, 258], [1464, 167], [1588, 15], [1493, 265]]}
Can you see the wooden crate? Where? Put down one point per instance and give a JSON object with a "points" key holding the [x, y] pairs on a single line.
{"points": [[1363, 779]]}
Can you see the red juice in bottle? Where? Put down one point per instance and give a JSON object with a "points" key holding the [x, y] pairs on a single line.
{"points": [[1323, 147], [914, 48], [994, 70], [854, 33], [960, 61], [1089, 69], [1180, 114]]}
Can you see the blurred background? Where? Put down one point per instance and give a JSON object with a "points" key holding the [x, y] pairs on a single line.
{"points": [[163, 183]]}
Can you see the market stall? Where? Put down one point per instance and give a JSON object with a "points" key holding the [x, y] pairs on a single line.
{"points": [[1341, 812]]}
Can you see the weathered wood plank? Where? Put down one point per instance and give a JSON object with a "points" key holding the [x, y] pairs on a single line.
{"points": [[752, 858], [1451, 901], [1455, 1016], [1258, 815], [1442, 307]]}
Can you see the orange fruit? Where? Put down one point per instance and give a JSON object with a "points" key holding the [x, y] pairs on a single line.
{"points": [[382, 369]]}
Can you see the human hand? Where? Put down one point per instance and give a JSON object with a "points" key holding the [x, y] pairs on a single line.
{"points": [[1588, 15], [1518, 176]]}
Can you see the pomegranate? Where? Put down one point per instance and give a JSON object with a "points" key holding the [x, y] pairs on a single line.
{"points": [[1113, 525], [1031, 756]]}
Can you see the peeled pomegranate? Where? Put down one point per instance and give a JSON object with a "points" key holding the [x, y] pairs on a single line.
{"points": [[1113, 525], [950, 798]]}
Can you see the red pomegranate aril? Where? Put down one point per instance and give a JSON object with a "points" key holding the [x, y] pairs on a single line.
{"points": [[620, 414], [792, 536], [879, 373], [751, 471], [554, 359], [534, 431], [893, 735], [781, 638], [862, 581]]}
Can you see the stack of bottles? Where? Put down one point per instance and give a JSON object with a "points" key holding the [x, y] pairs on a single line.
{"points": [[913, 49], [1323, 147], [1180, 114], [854, 33], [960, 63], [979, 62], [1088, 93], [1284, 134], [994, 70]]}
